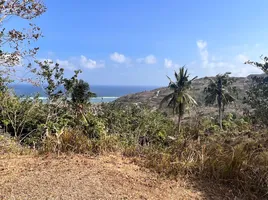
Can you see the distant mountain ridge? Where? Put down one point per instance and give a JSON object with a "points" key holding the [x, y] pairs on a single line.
{"points": [[154, 97]]}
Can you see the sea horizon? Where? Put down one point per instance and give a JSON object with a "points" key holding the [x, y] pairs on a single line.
{"points": [[105, 93]]}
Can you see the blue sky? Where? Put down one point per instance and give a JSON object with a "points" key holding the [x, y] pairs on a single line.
{"points": [[119, 42]]}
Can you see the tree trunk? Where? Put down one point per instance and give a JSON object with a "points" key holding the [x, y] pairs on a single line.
{"points": [[220, 102], [220, 116], [179, 124]]}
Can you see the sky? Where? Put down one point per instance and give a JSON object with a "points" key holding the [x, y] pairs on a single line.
{"points": [[119, 42]]}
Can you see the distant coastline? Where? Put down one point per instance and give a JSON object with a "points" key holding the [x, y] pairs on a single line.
{"points": [[104, 93]]}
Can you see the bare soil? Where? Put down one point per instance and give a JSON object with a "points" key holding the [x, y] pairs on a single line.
{"points": [[85, 177]]}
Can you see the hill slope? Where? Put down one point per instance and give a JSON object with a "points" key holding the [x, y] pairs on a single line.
{"points": [[153, 98]]}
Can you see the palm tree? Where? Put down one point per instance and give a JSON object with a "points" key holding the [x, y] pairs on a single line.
{"points": [[179, 99], [219, 90]]}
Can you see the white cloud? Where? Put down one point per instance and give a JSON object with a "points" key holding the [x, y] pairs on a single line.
{"points": [[241, 58], [201, 44], [74, 63], [90, 64], [169, 64], [66, 64], [150, 59], [119, 58], [214, 65]]}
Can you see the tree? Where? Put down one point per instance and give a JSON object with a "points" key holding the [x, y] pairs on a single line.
{"points": [[263, 66], [257, 95], [81, 93], [16, 44], [219, 90], [57, 89], [179, 99]]}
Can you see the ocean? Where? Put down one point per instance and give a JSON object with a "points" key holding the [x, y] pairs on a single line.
{"points": [[104, 93]]}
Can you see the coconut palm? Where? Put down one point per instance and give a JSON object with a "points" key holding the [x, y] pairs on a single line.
{"points": [[179, 100], [219, 90]]}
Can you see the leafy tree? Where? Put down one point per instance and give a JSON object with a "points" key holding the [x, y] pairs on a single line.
{"points": [[17, 113], [257, 95], [263, 66], [219, 90], [52, 80], [179, 99], [16, 44], [57, 88], [4, 81], [81, 93]]}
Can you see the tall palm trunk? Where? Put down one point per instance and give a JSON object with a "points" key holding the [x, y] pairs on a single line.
{"points": [[220, 102], [179, 124], [220, 114]]}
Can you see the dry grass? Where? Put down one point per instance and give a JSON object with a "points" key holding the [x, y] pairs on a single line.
{"points": [[103, 177], [10, 146], [239, 162]]}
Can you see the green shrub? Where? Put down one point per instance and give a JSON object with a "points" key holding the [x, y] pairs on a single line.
{"points": [[132, 122]]}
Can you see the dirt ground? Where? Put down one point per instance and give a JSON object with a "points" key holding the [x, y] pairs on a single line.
{"points": [[84, 177]]}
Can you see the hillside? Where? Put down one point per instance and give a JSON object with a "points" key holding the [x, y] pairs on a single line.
{"points": [[154, 97]]}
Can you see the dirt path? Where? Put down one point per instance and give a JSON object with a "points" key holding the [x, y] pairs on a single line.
{"points": [[82, 177]]}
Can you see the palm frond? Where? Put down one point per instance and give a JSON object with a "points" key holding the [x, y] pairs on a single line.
{"points": [[228, 98], [166, 99], [190, 99], [179, 98]]}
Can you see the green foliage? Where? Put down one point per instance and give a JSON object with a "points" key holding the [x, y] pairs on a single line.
{"points": [[4, 81], [58, 115], [55, 85], [220, 90], [263, 66], [132, 122], [179, 100], [93, 126], [81, 93], [257, 95], [18, 115], [257, 98]]}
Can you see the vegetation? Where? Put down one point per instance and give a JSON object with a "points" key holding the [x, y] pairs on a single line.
{"points": [[179, 100], [81, 93], [257, 95], [219, 90], [233, 150], [235, 154], [16, 44]]}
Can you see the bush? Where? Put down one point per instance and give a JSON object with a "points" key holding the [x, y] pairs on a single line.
{"points": [[68, 141], [234, 159], [133, 122], [257, 98], [20, 116]]}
